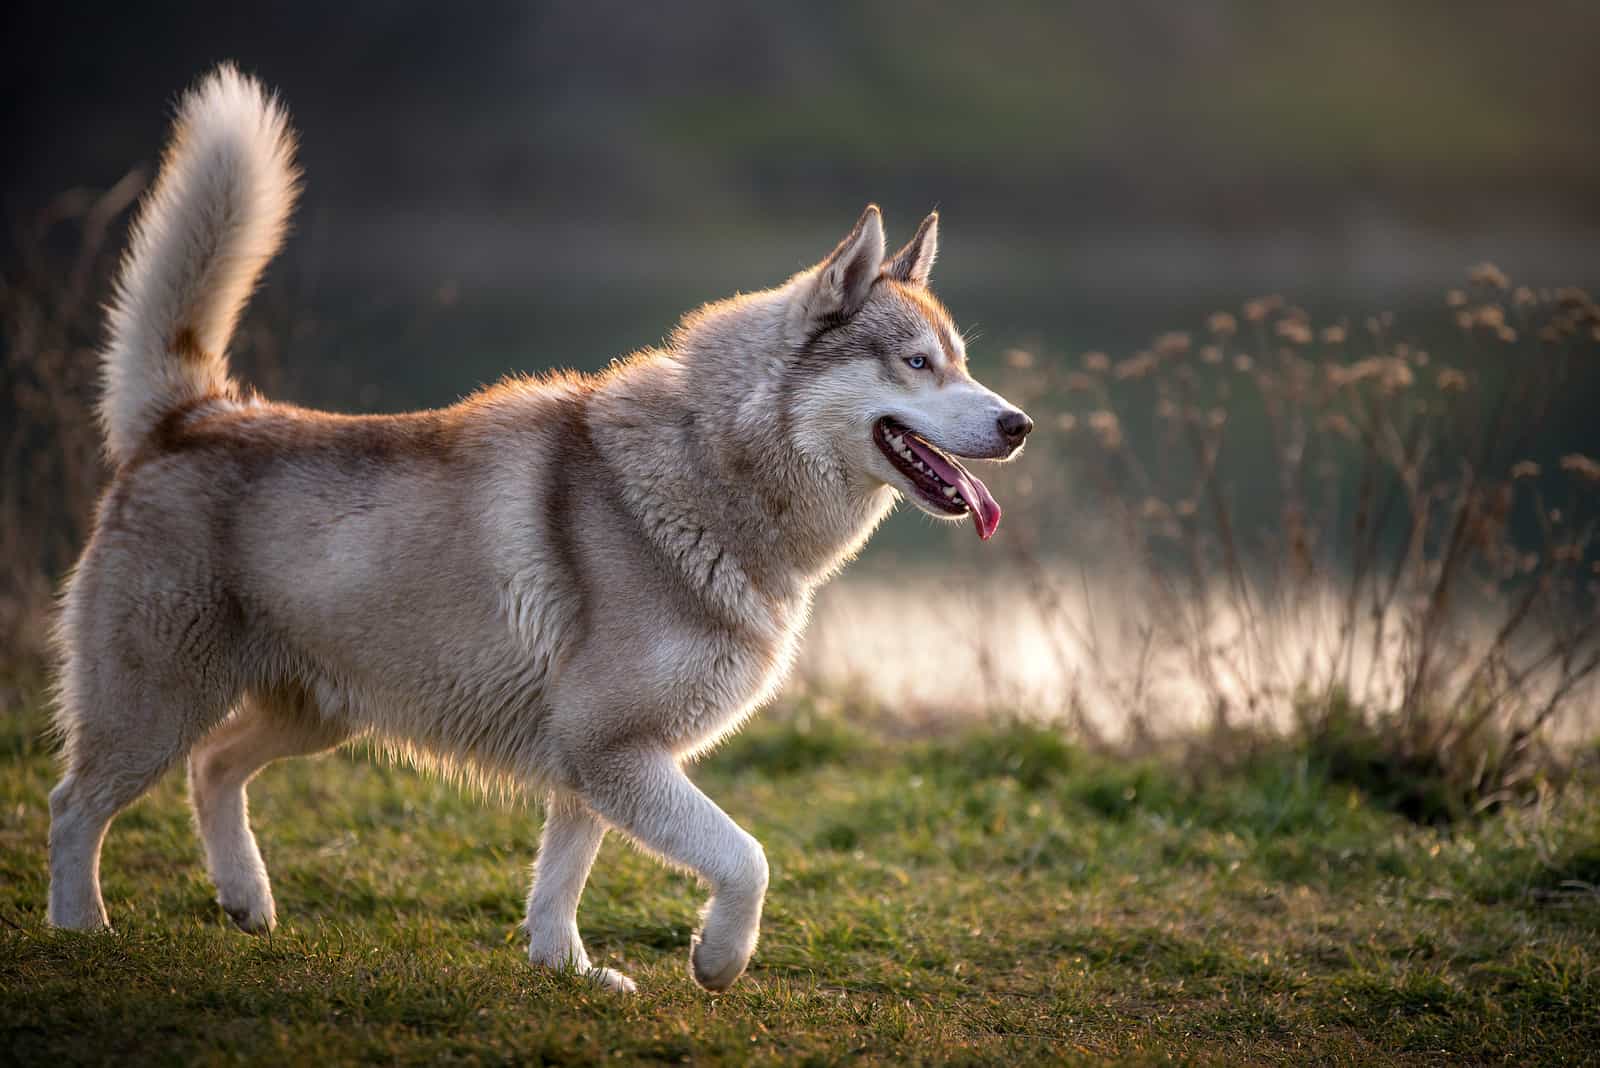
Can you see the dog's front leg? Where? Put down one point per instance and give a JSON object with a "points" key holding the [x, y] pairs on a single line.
{"points": [[649, 798], [567, 850]]}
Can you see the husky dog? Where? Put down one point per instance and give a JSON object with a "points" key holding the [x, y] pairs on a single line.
{"points": [[572, 583]]}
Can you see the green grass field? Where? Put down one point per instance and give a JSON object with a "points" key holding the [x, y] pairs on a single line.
{"points": [[993, 896]]}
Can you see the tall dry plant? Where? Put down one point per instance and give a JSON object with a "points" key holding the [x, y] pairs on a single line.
{"points": [[50, 462], [1339, 524]]}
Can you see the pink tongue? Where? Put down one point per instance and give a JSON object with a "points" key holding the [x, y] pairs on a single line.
{"points": [[985, 509]]}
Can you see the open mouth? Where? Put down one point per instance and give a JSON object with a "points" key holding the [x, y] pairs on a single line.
{"points": [[936, 477]]}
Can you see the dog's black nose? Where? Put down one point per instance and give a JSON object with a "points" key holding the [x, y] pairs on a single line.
{"points": [[1014, 426]]}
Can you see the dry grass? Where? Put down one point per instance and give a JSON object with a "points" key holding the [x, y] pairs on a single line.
{"points": [[1320, 524], [50, 466]]}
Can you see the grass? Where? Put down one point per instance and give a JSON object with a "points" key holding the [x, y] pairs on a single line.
{"points": [[998, 895]]}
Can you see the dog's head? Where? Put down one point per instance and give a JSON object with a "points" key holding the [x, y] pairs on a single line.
{"points": [[879, 380]]}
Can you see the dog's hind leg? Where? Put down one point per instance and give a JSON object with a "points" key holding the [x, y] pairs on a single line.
{"points": [[571, 840], [122, 733], [266, 727], [648, 797]]}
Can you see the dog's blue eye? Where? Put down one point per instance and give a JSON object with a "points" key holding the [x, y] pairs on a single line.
{"points": [[916, 363]]}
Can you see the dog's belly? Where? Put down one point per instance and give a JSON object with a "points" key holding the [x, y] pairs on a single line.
{"points": [[435, 658], [501, 713], [460, 697]]}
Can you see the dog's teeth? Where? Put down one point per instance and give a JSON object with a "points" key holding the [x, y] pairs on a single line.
{"points": [[950, 491]]}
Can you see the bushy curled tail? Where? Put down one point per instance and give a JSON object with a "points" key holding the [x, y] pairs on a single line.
{"points": [[216, 215]]}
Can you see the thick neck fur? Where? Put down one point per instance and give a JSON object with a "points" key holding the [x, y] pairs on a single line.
{"points": [[699, 436]]}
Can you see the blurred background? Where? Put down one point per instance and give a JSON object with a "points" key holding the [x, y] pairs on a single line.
{"points": [[511, 187], [1304, 550]]}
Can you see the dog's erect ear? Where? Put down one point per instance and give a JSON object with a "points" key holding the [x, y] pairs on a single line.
{"points": [[914, 263], [843, 280]]}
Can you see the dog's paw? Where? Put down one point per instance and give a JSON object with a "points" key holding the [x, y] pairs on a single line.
{"points": [[613, 980], [251, 912], [574, 965], [83, 918], [717, 965]]}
